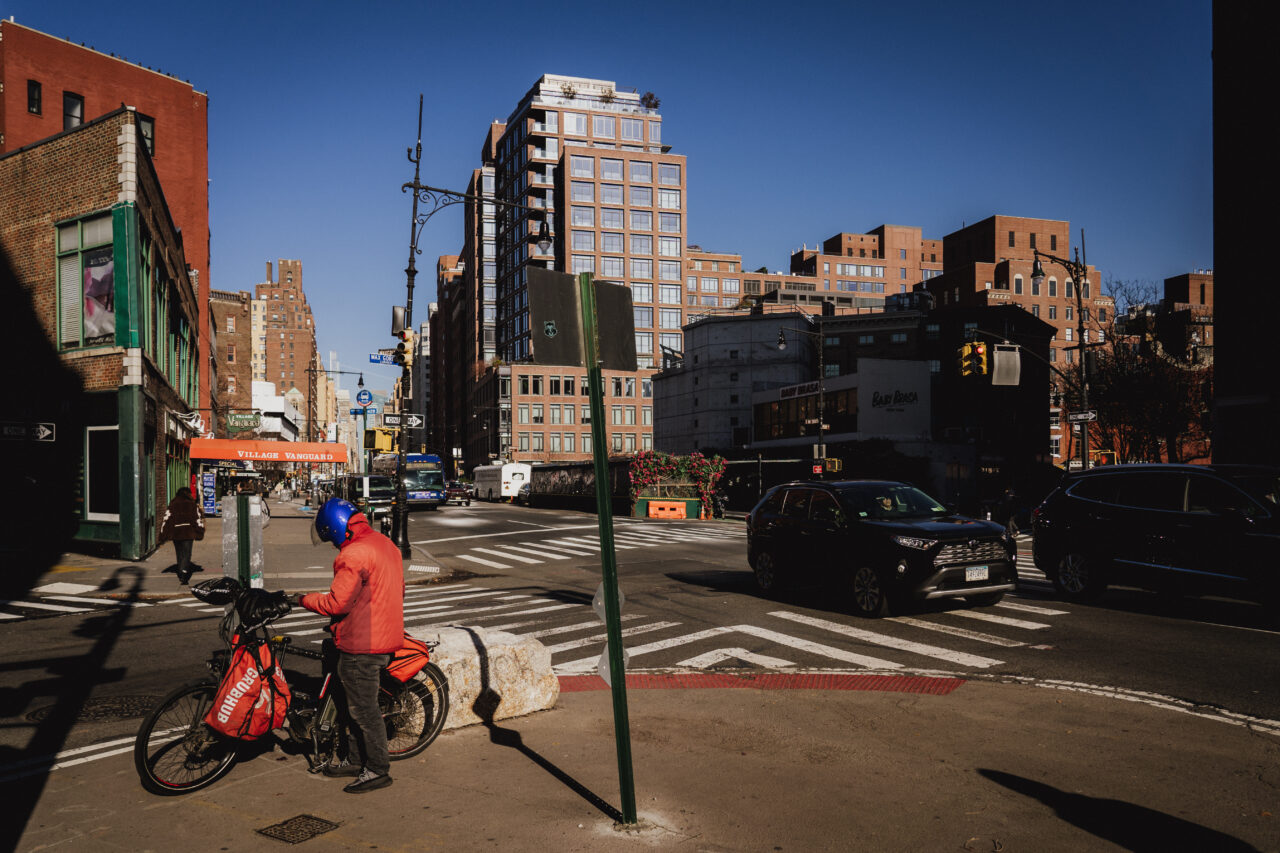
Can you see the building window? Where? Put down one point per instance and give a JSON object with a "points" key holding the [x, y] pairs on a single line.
{"points": [[669, 199], [602, 127], [610, 218], [1017, 284], [669, 247], [102, 473], [1053, 312], [611, 194], [670, 271], [72, 110], [231, 353], [575, 124], [1012, 242], [641, 172], [644, 342], [86, 283], [582, 167], [631, 130], [1053, 242], [641, 244], [582, 191], [641, 220], [642, 197], [581, 215], [668, 318], [641, 268], [34, 97], [643, 317], [147, 130], [669, 223], [669, 294]]}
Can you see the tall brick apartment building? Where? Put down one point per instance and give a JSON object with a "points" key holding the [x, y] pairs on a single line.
{"points": [[287, 340], [91, 241], [51, 85], [590, 160]]}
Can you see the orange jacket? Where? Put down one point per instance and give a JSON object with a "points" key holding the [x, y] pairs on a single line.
{"points": [[366, 598]]}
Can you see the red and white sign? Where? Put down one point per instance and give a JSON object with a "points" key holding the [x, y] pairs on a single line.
{"points": [[268, 451], [817, 469]]}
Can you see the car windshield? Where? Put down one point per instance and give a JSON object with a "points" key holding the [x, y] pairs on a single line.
{"points": [[890, 500], [1261, 486], [381, 487], [420, 479]]}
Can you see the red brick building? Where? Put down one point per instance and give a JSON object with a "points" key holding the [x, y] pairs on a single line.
{"points": [[51, 85], [92, 244], [233, 348], [990, 263], [288, 336]]}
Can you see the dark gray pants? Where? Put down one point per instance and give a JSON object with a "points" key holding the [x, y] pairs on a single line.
{"points": [[368, 742], [182, 548]]}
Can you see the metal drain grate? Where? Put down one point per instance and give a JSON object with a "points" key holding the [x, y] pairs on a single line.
{"points": [[104, 710], [298, 829]]}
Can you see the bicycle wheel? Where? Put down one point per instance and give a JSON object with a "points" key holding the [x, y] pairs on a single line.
{"points": [[414, 711], [175, 752]]}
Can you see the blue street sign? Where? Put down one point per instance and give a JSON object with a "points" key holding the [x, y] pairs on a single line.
{"points": [[381, 358], [364, 398], [367, 410]]}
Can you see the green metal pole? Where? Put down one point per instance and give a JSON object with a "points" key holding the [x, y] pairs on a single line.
{"points": [[608, 557]]}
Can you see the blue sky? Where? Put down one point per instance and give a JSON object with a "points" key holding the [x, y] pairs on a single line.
{"points": [[799, 120]]}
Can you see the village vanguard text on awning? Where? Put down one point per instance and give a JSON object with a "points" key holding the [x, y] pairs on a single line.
{"points": [[268, 451]]}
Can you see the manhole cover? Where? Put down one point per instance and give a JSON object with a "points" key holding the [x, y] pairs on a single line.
{"points": [[298, 829], [104, 710]]}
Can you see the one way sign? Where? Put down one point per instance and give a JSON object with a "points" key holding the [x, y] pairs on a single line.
{"points": [[413, 421]]}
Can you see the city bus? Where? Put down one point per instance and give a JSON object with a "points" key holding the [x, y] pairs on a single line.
{"points": [[423, 477], [500, 482]]}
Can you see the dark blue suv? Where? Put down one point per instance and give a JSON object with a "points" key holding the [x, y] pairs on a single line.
{"points": [[884, 542], [1193, 529]]}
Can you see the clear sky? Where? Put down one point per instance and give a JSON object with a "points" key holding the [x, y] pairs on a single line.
{"points": [[799, 120]]}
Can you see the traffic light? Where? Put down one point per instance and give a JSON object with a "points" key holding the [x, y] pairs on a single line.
{"points": [[404, 350], [978, 356], [963, 359]]}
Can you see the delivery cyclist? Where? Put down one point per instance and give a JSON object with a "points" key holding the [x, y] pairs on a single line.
{"points": [[366, 604]]}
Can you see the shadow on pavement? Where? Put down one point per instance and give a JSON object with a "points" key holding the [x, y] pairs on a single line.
{"points": [[486, 705], [1130, 826], [70, 683]]}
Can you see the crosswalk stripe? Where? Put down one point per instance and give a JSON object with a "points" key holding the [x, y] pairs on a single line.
{"points": [[529, 612], [571, 550], [1000, 620], [35, 605], [962, 658], [79, 599], [547, 554], [587, 664], [596, 638], [638, 541], [583, 542], [504, 555], [563, 629], [977, 636], [1027, 608], [9, 616], [483, 562]]}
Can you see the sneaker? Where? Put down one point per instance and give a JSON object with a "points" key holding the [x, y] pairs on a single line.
{"points": [[368, 781], [342, 768]]}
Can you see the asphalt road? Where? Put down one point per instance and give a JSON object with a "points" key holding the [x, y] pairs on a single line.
{"points": [[691, 603]]}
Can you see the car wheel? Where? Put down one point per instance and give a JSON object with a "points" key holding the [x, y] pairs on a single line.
{"points": [[870, 598], [986, 599], [768, 581], [1076, 577]]}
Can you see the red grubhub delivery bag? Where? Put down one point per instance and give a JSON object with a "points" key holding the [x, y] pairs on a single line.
{"points": [[253, 695]]}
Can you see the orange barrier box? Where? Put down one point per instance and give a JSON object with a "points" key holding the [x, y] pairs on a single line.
{"points": [[666, 509]]}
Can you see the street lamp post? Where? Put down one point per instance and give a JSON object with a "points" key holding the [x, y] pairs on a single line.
{"points": [[819, 449], [438, 199], [1078, 270]]}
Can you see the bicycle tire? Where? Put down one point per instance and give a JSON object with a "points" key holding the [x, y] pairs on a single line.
{"points": [[175, 752], [414, 711]]}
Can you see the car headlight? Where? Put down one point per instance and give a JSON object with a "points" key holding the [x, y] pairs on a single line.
{"points": [[915, 542]]}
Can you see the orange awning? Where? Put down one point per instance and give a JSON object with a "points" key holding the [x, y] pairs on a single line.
{"points": [[268, 451]]}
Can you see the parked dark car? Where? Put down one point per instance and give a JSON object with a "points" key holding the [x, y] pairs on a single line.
{"points": [[455, 491], [1186, 528], [524, 495], [886, 543]]}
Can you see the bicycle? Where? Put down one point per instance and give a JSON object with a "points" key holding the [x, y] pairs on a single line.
{"points": [[176, 752]]}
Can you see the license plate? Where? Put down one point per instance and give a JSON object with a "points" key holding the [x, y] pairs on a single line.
{"points": [[976, 573]]}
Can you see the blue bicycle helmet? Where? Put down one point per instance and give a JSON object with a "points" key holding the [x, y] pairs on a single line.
{"points": [[331, 522]]}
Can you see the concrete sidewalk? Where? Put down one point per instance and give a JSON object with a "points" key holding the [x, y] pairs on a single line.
{"points": [[984, 767], [291, 562]]}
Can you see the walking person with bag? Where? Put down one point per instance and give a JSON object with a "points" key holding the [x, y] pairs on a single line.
{"points": [[184, 525], [365, 603]]}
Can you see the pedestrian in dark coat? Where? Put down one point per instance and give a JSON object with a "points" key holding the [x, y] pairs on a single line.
{"points": [[184, 525]]}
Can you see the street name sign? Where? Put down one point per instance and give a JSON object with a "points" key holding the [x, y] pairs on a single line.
{"points": [[367, 410], [381, 358]]}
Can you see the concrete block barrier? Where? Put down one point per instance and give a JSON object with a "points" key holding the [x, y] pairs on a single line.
{"points": [[492, 675]]}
